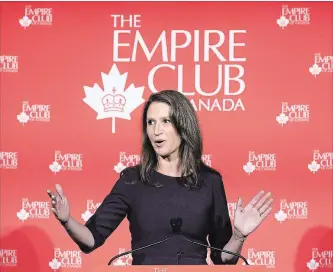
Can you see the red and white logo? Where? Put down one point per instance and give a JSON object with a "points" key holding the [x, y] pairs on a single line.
{"points": [[231, 209], [8, 257], [9, 64], [292, 210], [293, 113], [321, 161], [321, 64], [34, 113], [123, 260], [34, 210], [66, 162], [66, 259], [115, 101], [261, 258], [216, 67], [260, 162], [91, 209], [293, 16], [321, 259], [36, 16], [8, 160]]}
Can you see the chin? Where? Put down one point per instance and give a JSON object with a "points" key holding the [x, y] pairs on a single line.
{"points": [[162, 153]]}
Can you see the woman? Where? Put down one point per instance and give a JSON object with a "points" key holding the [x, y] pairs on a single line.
{"points": [[170, 182]]}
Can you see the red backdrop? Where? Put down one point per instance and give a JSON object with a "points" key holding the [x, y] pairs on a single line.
{"points": [[73, 80]]}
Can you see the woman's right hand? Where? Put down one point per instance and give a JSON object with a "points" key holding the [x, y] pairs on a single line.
{"points": [[60, 204]]}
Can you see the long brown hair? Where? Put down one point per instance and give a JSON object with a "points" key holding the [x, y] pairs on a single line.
{"points": [[184, 119]]}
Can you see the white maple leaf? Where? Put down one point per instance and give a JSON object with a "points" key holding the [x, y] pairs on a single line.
{"points": [[282, 21], [114, 101], [249, 167], [86, 215], [315, 69], [25, 22], [119, 167], [23, 215], [313, 166], [312, 264], [119, 262], [282, 119], [23, 117], [55, 167], [280, 216], [55, 264]]}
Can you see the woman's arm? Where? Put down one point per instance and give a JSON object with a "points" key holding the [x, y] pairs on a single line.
{"points": [[235, 245]]}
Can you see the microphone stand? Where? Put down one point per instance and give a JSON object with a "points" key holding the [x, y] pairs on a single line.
{"points": [[131, 251], [175, 225]]}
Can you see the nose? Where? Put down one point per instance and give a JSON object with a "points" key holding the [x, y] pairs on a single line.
{"points": [[157, 129]]}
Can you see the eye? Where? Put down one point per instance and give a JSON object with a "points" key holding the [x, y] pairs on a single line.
{"points": [[150, 122], [166, 120]]}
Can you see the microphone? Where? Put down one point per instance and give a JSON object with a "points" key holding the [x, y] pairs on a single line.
{"points": [[176, 224], [130, 251], [175, 229]]}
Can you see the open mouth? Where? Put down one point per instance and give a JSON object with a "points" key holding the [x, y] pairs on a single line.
{"points": [[159, 143]]}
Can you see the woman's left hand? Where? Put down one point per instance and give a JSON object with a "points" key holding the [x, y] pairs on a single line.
{"points": [[248, 218]]}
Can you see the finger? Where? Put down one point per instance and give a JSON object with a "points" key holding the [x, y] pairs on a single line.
{"points": [[266, 213], [263, 200], [58, 198], [64, 201], [59, 190], [50, 194], [239, 203], [266, 206], [255, 199], [54, 204], [54, 211]]}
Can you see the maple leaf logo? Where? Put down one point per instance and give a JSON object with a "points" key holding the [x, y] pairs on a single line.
{"points": [[114, 101]]}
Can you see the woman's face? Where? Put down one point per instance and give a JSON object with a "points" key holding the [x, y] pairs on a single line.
{"points": [[161, 132]]}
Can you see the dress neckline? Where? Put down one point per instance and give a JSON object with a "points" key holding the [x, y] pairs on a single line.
{"points": [[166, 176]]}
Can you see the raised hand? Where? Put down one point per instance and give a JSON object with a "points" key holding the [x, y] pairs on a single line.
{"points": [[247, 219], [60, 204]]}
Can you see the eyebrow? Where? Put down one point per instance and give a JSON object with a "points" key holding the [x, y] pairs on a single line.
{"points": [[163, 117]]}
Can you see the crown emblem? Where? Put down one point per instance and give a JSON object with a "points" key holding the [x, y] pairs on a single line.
{"points": [[113, 102]]}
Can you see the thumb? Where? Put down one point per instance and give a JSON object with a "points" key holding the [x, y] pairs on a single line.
{"points": [[239, 203], [60, 191]]}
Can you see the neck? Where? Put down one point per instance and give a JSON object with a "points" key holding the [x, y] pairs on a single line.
{"points": [[169, 166]]}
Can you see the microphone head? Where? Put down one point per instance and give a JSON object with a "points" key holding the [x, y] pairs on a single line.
{"points": [[176, 224]]}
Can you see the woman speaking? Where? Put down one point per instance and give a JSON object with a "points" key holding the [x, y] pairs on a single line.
{"points": [[171, 181]]}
